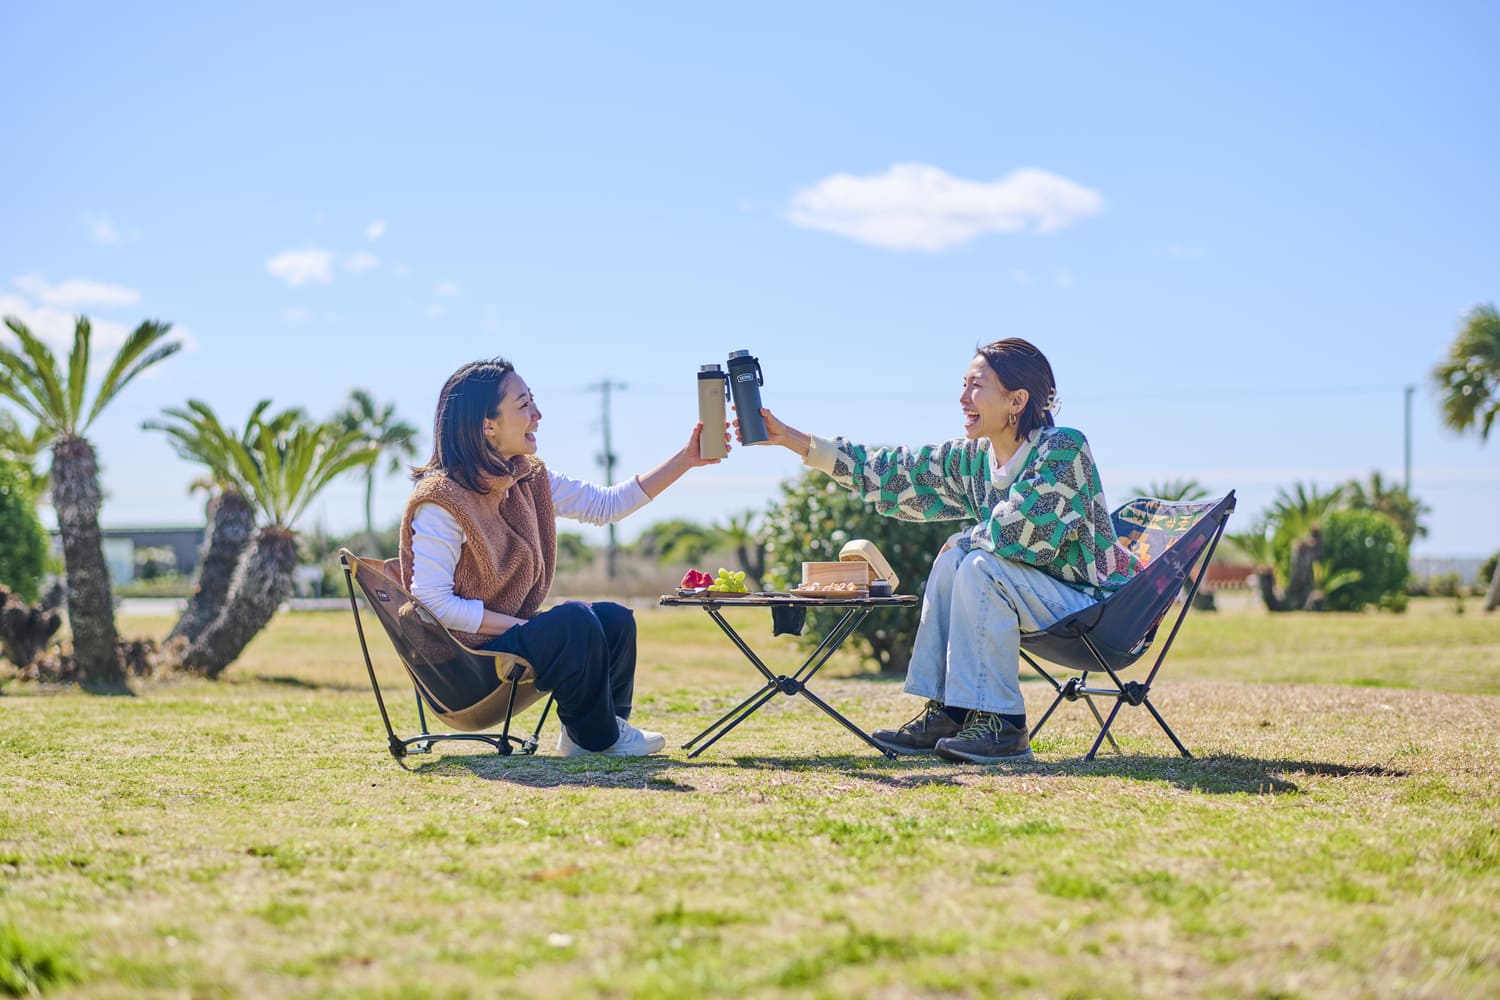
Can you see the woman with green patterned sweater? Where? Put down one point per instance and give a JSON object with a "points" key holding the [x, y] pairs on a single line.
{"points": [[1043, 547]]}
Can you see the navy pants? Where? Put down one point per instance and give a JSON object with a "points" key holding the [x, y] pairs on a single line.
{"points": [[585, 655]]}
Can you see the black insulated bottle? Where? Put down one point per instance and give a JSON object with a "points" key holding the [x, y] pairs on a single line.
{"points": [[745, 380]]}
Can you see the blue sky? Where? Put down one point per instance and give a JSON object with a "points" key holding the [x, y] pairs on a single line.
{"points": [[1238, 233]]}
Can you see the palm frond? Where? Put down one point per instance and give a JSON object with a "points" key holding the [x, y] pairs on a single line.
{"points": [[78, 365], [131, 360], [1468, 378], [35, 375], [348, 451]]}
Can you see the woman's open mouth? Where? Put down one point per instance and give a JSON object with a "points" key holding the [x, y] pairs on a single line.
{"points": [[970, 418]]}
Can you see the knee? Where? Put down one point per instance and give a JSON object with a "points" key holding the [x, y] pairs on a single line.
{"points": [[615, 619], [978, 572], [577, 618]]}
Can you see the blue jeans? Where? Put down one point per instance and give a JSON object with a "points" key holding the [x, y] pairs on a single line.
{"points": [[968, 646], [585, 655]]}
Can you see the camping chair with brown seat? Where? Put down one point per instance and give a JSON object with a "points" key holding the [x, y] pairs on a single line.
{"points": [[470, 690], [1171, 539]]}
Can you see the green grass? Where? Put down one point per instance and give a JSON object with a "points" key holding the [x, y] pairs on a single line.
{"points": [[1337, 832]]}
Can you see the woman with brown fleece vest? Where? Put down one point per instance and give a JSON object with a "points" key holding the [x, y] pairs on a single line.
{"points": [[479, 547]]}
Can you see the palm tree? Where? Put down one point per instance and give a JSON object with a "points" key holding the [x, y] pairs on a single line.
{"points": [[54, 397], [282, 468], [196, 435], [385, 435], [1287, 542], [1468, 383], [1392, 501]]}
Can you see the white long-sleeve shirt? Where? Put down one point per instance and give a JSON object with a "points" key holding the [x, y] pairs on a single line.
{"points": [[437, 540]]}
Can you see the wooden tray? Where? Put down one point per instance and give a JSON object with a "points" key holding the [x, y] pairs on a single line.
{"points": [[713, 595]]}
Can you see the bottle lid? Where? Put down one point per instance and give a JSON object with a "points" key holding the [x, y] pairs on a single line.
{"points": [[710, 370], [738, 354]]}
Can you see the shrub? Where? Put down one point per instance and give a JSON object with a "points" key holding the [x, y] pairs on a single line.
{"points": [[1369, 551], [1486, 574], [812, 521], [23, 542]]}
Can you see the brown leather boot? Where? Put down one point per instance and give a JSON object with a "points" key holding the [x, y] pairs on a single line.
{"points": [[919, 735]]}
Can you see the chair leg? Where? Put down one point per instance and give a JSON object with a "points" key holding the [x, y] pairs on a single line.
{"points": [[1165, 728], [1100, 719], [530, 744], [1045, 716], [1105, 730]]}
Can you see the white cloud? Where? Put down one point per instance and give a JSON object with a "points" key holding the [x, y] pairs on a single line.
{"points": [[375, 230], [914, 206], [445, 289], [1063, 279], [102, 230], [298, 267], [76, 293], [1021, 277], [435, 310], [361, 262], [296, 315]]}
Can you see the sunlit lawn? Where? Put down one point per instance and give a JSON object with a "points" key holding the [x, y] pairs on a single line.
{"points": [[1336, 833]]}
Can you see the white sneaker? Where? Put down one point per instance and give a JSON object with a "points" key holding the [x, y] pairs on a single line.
{"points": [[633, 742]]}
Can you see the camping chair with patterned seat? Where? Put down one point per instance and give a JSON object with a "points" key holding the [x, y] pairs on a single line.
{"points": [[1170, 539], [467, 689]]}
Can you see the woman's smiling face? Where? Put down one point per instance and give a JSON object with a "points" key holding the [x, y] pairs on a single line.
{"points": [[986, 403], [512, 430]]}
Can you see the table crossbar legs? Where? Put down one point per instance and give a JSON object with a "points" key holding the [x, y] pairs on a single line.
{"points": [[796, 684]]}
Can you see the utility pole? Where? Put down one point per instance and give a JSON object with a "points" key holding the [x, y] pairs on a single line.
{"points": [[1407, 481], [607, 459]]}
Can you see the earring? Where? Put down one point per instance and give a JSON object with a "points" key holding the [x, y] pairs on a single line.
{"points": [[1013, 420]]}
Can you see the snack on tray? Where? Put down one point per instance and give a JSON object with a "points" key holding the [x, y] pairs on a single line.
{"points": [[833, 587]]}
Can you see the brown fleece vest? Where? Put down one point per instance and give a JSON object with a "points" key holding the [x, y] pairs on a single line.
{"points": [[510, 542]]}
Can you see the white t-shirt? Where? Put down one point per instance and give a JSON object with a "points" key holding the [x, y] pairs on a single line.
{"points": [[437, 540]]}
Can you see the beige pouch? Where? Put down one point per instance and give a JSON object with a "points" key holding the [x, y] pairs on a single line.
{"points": [[862, 549]]}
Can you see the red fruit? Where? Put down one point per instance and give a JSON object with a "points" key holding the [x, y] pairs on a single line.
{"points": [[693, 579]]}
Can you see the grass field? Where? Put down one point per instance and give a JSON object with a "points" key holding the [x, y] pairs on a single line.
{"points": [[1337, 833]]}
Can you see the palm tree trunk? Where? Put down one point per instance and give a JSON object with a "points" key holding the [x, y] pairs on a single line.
{"points": [[370, 507], [1492, 599], [91, 610], [262, 582], [231, 523]]}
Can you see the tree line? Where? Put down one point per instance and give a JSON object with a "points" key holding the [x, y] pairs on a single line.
{"points": [[1341, 549]]}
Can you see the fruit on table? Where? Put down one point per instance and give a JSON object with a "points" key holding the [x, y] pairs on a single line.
{"points": [[729, 582], [695, 579]]}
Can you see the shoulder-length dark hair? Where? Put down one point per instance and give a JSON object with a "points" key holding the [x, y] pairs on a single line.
{"points": [[1019, 365], [460, 451]]}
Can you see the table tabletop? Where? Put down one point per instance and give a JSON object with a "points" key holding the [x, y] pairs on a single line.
{"points": [[774, 600]]}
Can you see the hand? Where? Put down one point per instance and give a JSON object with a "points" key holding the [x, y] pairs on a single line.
{"points": [[693, 453], [778, 432]]}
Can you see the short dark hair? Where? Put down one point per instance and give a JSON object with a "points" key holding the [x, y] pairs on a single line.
{"points": [[471, 396], [1019, 365]]}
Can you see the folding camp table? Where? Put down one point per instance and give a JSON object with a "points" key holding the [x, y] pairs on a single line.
{"points": [[855, 611]]}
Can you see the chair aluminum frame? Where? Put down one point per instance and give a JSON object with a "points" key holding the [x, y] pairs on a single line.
{"points": [[1076, 628], [504, 742]]}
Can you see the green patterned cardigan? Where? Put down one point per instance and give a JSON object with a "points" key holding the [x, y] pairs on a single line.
{"points": [[1052, 516]]}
